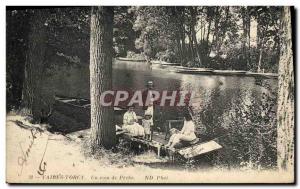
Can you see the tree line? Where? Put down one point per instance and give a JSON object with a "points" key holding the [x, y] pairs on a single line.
{"points": [[245, 38]]}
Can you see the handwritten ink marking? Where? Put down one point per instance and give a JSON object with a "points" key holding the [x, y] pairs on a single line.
{"points": [[42, 167], [22, 160]]}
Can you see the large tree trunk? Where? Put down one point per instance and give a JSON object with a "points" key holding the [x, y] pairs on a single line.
{"points": [[285, 112], [17, 29], [34, 64], [101, 41]]}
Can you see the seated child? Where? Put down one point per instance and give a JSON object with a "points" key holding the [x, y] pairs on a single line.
{"points": [[187, 133], [147, 123]]}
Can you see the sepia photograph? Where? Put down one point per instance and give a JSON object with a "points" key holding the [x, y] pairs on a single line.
{"points": [[150, 94]]}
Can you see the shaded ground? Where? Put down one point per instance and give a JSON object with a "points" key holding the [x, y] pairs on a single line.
{"points": [[35, 155]]}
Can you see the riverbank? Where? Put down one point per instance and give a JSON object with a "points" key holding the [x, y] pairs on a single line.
{"points": [[177, 68]]}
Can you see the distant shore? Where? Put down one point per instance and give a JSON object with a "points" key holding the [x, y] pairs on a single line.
{"points": [[177, 68]]}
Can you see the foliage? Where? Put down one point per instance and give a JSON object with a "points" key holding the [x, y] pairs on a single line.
{"points": [[155, 30], [68, 36], [133, 55], [219, 35], [252, 134], [124, 35]]}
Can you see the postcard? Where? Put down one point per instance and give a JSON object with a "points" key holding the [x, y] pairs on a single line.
{"points": [[150, 94]]}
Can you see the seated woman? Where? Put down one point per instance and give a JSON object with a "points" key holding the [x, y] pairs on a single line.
{"points": [[131, 125], [187, 133]]}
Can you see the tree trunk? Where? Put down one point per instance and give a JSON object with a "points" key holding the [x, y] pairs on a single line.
{"points": [[193, 24], [260, 40], [204, 32], [183, 46], [246, 37], [285, 111], [101, 40], [223, 33], [178, 44], [261, 50], [17, 27], [182, 34], [176, 16], [191, 45], [207, 38], [34, 64]]}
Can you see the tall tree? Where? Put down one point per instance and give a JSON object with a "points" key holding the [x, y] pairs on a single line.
{"points": [[268, 19], [193, 11], [182, 33], [34, 63], [246, 19], [175, 18], [17, 29], [209, 17], [101, 41], [285, 111]]}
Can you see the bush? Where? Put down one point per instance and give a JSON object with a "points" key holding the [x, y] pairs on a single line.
{"points": [[252, 134], [167, 56]]}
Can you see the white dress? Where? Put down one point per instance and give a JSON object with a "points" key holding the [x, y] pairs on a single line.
{"points": [[188, 130], [187, 133], [131, 126]]}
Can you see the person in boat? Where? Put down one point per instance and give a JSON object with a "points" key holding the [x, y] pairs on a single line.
{"points": [[187, 132], [130, 123]]}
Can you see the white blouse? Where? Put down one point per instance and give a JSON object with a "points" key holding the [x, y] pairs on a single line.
{"points": [[189, 129], [129, 117]]}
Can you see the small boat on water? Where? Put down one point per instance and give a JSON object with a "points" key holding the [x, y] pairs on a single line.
{"points": [[229, 72], [155, 62], [72, 114], [184, 68], [163, 63], [263, 75], [194, 71], [130, 59]]}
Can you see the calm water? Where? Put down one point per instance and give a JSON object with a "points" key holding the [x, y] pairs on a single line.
{"points": [[214, 96]]}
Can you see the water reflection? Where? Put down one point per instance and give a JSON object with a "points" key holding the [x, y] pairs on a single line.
{"points": [[215, 96]]}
